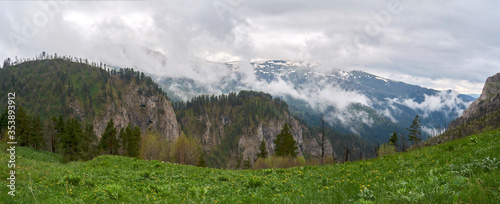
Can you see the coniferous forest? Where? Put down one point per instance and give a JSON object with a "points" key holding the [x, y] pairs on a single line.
{"points": [[64, 121]]}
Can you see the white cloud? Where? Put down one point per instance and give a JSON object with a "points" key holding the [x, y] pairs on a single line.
{"points": [[448, 102], [438, 44]]}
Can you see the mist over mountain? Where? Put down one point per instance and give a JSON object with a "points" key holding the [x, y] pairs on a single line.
{"points": [[352, 101]]}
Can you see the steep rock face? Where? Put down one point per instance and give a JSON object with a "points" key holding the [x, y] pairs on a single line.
{"points": [[250, 139], [62, 87], [153, 112], [489, 101], [249, 143], [481, 115]]}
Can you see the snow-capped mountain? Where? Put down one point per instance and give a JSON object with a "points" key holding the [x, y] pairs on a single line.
{"points": [[352, 101]]}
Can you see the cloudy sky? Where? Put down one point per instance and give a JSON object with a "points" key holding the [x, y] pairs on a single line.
{"points": [[442, 44]]}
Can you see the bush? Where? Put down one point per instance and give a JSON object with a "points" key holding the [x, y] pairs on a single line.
{"points": [[386, 149], [72, 179], [279, 162], [254, 183], [114, 191]]}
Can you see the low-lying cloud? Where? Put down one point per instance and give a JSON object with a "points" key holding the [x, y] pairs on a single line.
{"points": [[443, 101]]}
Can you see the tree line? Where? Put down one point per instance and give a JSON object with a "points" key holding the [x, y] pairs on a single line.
{"points": [[399, 143]]}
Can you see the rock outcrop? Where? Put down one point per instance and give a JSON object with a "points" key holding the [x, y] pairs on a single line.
{"points": [[482, 115], [488, 102], [152, 112]]}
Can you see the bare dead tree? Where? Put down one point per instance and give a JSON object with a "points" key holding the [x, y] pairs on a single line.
{"points": [[323, 141], [347, 151]]}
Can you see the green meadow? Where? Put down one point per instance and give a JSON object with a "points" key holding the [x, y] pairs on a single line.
{"points": [[460, 171]]}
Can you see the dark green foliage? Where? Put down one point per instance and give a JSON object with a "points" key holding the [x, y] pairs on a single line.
{"points": [[22, 127], [130, 138], [285, 144], [201, 160], [53, 86], [109, 142], [71, 140], [89, 143], [415, 133], [237, 113], [36, 134], [133, 142], [4, 120], [263, 151], [394, 140]]}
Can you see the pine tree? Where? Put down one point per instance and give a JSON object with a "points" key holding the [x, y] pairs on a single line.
{"points": [[23, 127], [123, 141], [70, 140], [36, 134], [201, 160], [109, 142], [88, 143], [394, 140], [4, 119], [403, 143], [263, 150], [414, 131], [60, 132], [133, 142], [285, 144]]}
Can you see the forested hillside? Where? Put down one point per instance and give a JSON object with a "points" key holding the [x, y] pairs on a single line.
{"points": [[78, 110], [51, 86], [230, 128]]}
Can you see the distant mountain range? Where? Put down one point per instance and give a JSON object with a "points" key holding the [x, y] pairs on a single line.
{"points": [[351, 101]]}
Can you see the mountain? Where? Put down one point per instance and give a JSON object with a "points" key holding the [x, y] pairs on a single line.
{"points": [[228, 128], [488, 102], [53, 87], [482, 115], [231, 127], [353, 102]]}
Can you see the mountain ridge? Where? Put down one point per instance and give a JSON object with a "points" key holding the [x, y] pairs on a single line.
{"points": [[308, 90], [53, 87]]}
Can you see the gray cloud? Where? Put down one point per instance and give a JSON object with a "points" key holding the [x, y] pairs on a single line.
{"points": [[447, 102], [439, 44]]}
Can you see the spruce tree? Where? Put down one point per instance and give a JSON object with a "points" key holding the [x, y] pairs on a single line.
{"points": [[123, 141], [88, 144], [23, 129], [263, 150], [70, 140], [414, 131], [133, 142], [285, 144], [109, 142], [36, 134], [394, 140]]}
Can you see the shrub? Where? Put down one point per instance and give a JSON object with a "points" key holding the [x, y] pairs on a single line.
{"points": [[254, 182], [260, 164], [72, 179], [145, 174], [386, 149], [113, 191], [222, 178]]}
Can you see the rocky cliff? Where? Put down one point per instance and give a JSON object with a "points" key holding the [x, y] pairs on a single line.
{"points": [[231, 129], [482, 115], [488, 102], [52, 87], [148, 112]]}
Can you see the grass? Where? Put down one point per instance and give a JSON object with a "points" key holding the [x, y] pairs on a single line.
{"points": [[460, 171]]}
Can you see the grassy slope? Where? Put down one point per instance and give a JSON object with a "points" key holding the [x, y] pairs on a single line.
{"points": [[463, 171]]}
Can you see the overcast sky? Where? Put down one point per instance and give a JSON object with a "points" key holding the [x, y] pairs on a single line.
{"points": [[441, 44]]}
